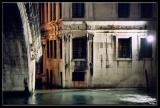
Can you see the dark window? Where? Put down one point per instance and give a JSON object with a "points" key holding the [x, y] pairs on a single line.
{"points": [[42, 12], [78, 76], [51, 44], [47, 74], [123, 10], [41, 64], [47, 11], [48, 48], [124, 48], [145, 49], [54, 11], [51, 11], [79, 47], [60, 10], [146, 10], [80, 66], [61, 77], [55, 49], [77, 10], [51, 77], [60, 48]]}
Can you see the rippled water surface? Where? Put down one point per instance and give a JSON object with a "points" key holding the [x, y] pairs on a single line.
{"points": [[85, 97]]}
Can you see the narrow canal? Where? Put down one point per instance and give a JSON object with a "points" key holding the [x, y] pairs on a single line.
{"points": [[122, 96]]}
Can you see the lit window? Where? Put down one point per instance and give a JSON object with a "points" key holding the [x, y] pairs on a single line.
{"points": [[124, 48]]}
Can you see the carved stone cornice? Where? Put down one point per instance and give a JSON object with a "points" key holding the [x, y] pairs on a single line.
{"points": [[103, 27], [53, 28]]}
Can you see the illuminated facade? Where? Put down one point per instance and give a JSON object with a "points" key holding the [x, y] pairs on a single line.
{"points": [[105, 44], [99, 44], [79, 45], [50, 19]]}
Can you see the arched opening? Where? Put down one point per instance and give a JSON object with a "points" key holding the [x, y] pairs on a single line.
{"points": [[21, 46], [15, 58]]}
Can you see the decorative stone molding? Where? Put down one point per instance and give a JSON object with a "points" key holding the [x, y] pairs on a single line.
{"points": [[116, 27], [32, 52], [74, 27], [103, 27], [90, 36]]}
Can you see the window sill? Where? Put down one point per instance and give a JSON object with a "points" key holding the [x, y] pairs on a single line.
{"points": [[78, 19], [126, 59], [79, 59]]}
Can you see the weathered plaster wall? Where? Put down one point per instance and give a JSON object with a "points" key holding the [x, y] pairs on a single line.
{"points": [[104, 11], [108, 69], [112, 72]]}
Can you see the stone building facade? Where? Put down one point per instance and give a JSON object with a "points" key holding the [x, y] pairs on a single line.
{"points": [[79, 45], [51, 74], [105, 44]]}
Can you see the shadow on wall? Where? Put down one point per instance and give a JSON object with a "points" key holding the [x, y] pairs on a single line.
{"points": [[15, 65], [26, 90], [39, 73]]}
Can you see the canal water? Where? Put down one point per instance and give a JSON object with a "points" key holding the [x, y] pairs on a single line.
{"points": [[121, 96]]}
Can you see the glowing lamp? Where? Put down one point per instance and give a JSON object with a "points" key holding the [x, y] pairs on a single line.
{"points": [[150, 38]]}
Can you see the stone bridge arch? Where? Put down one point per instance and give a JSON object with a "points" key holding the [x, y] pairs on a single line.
{"points": [[19, 51]]}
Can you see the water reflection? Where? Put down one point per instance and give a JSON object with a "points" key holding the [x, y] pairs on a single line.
{"points": [[79, 99], [32, 99], [84, 97]]}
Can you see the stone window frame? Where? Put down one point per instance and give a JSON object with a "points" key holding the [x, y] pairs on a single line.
{"points": [[119, 37], [79, 38]]}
